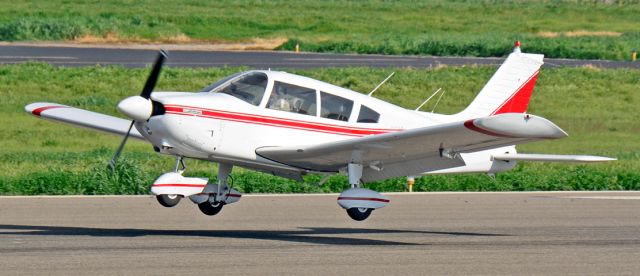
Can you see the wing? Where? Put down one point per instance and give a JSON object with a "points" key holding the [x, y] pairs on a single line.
{"points": [[83, 118], [419, 150]]}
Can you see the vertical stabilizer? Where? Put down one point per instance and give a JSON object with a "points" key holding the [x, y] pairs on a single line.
{"points": [[509, 89]]}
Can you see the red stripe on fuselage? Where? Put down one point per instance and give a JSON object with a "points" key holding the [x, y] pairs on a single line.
{"points": [[519, 101], [39, 110], [273, 121], [180, 185]]}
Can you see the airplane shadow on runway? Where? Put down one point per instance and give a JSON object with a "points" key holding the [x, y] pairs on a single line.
{"points": [[304, 235]]}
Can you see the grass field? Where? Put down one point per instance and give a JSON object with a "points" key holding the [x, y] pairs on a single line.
{"points": [[597, 107], [565, 29]]}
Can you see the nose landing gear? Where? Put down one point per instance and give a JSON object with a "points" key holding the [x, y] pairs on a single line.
{"points": [[170, 187], [168, 200]]}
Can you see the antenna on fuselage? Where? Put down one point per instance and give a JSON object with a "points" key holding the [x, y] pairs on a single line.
{"points": [[385, 80], [437, 102], [427, 100]]}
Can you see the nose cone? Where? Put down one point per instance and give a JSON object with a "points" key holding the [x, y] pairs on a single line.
{"points": [[136, 108]]}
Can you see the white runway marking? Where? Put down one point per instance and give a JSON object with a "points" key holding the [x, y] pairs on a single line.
{"points": [[349, 59], [605, 197], [38, 57]]}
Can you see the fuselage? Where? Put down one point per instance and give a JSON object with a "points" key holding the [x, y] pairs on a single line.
{"points": [[231, 119]]}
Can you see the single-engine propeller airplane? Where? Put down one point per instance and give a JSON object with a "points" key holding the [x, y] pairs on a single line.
{"points": [[290, 125]]}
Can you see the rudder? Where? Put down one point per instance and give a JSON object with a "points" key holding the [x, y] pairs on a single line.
{"points": [[509, 89]]}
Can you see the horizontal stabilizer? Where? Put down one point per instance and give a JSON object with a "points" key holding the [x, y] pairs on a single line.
{"points": [[552, 158], [82, 118]]}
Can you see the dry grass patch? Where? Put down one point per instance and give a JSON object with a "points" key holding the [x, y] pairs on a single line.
{"points": [[182, 39], [579, 33], [264, 43]]}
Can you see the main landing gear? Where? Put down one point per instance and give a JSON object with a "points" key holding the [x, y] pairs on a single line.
{"points": [[221, 192], [169, 188], [359, 202], [211, 207], [359, 214]]}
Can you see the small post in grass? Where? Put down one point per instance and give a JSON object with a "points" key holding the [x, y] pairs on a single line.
{"points": [[410, 181], [634, 54]]}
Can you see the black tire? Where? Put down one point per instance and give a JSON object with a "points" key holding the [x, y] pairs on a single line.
{"points": [[209, 208], [359, 214], [168, 200]]}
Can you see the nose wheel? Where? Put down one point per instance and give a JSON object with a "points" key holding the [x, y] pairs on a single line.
{"points": [[168, 200], [359, 214]]}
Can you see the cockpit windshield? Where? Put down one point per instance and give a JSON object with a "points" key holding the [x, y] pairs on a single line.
{"points": [[214, 85], [249, 87]]}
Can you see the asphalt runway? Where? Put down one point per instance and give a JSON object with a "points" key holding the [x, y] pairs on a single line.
{"points": [[91, 56], [435, 233]]}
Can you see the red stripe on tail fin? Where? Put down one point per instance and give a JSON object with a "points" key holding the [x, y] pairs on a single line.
{"points": [[519, 101]]}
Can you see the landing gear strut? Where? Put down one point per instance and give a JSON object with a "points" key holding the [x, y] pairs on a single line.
{"points": [[355, 176], [213, 205], [170, 200]]}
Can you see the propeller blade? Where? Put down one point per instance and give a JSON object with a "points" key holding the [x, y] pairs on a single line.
{"points": [[146, 93], [153, 77], [112, 163]]}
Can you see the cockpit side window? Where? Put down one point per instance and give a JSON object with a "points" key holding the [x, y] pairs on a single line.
{"points": [[334, 107], [367, 115], [293, 98], [249, 88]]}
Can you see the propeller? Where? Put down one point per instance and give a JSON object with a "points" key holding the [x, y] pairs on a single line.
{"points": [[139, 108]]}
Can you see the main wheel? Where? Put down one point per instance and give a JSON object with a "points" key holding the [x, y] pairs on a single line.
{"points": [[359, 214], [209, 208], [168, 200]]}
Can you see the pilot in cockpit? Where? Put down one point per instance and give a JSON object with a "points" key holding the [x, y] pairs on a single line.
{"points": [[279, 99]]}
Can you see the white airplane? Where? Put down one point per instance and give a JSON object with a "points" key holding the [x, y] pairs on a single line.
{"points": [[290, 125]]}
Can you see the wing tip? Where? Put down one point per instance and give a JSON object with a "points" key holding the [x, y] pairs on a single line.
{"points": [[553, 158], [516, 125], [36, 109], [599, 159]]}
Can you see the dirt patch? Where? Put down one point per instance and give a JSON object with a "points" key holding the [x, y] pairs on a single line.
{"points": [[592, 67], [578, 33]]}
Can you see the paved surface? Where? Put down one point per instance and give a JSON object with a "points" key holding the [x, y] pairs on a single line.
{"points": [[73, 56], [457, 233]]}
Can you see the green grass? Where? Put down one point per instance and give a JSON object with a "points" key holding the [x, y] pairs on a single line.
{"points": [[597, 107], [464, 28]]}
